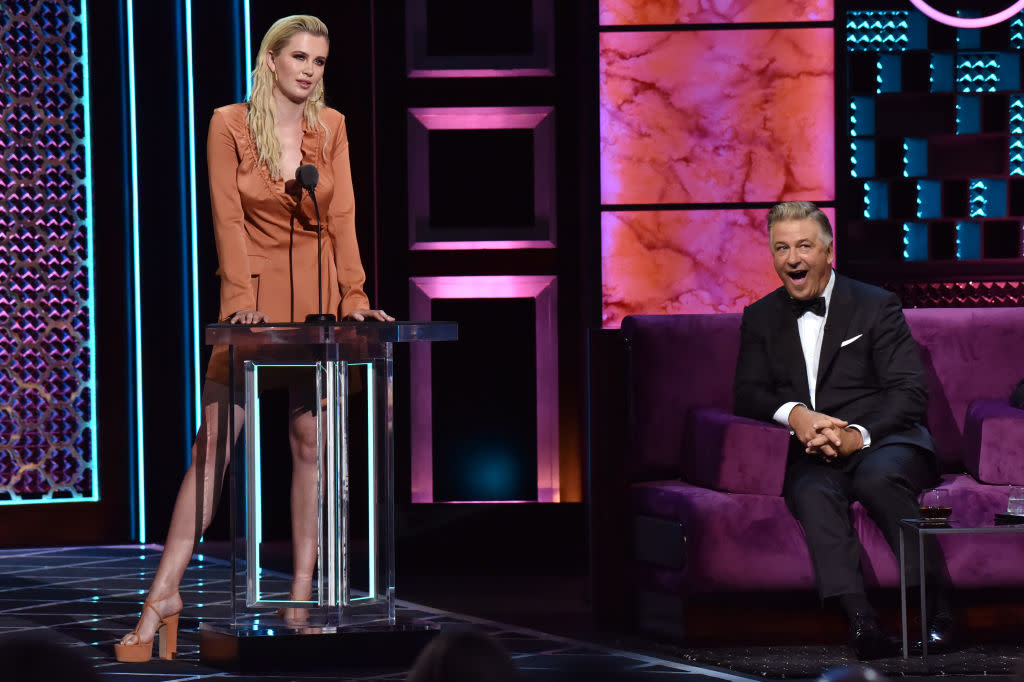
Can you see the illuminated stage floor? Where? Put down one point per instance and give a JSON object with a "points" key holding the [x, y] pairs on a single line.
{"points": [[85, 597]]}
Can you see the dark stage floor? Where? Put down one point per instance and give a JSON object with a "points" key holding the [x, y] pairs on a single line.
{"points": [[87, 597]]}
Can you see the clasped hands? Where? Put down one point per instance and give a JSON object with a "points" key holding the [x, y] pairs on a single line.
{"points": [[361, 315], [824, 436]]}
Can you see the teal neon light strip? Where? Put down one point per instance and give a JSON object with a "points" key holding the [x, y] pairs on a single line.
{"points": [[371, 469], [193, 225], [136, 322], [94, 422], [257, 456], [248, 48]]}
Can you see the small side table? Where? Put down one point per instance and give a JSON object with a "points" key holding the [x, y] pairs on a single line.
{"points": [[921, 529]]}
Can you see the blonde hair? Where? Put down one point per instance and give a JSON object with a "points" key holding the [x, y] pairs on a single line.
{"points": [[801, 210], [262, 118]]}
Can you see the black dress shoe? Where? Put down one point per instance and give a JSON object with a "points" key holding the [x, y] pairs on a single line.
{"points": [[942, 635], [869, 641]]}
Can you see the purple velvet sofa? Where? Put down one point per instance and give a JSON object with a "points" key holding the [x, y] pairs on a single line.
{"points": [[705, 486]]}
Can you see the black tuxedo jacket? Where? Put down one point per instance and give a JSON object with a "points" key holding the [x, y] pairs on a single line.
{"points": [[869, 372]]}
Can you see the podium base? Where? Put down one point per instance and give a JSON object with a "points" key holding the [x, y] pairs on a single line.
{"points": [[252, 649]]}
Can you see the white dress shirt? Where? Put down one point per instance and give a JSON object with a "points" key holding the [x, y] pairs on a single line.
{"points": [[812, 331]]}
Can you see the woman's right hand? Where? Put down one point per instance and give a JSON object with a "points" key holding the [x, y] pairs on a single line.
{"points": [[248, 317]]}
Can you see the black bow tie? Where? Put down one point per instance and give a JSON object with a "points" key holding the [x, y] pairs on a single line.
{"points": [[814, 305]]}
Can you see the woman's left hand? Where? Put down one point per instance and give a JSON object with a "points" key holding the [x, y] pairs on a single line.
{"points": [[363, 315]]}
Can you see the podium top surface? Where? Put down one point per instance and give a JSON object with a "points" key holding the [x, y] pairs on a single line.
{"points": [[330, 333]]}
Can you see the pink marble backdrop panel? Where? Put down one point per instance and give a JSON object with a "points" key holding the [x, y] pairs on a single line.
{"points": [[717, 116], [667, 262], [638, 12]]}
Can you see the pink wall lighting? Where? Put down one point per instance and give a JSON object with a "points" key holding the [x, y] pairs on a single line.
{"points": [[421, 62], [664, 262], [965, 22], [631, 12], [424, 235], [717, 116], [543, 289]]}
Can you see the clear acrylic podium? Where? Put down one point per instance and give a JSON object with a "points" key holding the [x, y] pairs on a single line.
{"points": [[352, 610]]}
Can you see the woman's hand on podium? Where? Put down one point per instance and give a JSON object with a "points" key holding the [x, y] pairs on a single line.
{"points": [[363, 315], [248, 317]]}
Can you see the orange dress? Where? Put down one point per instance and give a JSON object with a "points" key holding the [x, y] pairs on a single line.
{"points": [[265, 229]]}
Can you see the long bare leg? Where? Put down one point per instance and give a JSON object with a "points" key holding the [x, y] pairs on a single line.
{"points": [[200, 490], [302, 439]]}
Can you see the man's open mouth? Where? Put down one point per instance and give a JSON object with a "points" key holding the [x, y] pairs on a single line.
{"points": [[798, 275]]}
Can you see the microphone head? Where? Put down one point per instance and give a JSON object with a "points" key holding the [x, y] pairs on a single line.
{"points": [[307, 176]]}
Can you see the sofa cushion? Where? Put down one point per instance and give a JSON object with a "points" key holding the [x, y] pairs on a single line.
{"points": [[677, 363], [994, 441], [968, 353], [734, 541], [741, 542], [738, 455]]}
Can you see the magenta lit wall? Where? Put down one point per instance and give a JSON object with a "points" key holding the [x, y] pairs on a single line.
{"points": [[653, 12], [717, 118], [665, 262]]}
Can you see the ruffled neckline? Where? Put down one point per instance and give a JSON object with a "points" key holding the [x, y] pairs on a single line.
{"points": [[311, 141]]}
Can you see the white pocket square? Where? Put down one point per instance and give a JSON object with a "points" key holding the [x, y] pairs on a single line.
{"points": [[850, 340]]}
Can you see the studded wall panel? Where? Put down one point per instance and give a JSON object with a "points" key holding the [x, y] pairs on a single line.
{"points": [[47, 420]]}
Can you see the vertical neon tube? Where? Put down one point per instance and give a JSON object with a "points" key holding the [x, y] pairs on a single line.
{"points": [[247, 58], [193, 226], [257, 473], [136, 322], [90, 263], [371, 481]]}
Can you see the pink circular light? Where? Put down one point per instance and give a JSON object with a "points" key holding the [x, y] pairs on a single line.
{"points": [[959, 22]]}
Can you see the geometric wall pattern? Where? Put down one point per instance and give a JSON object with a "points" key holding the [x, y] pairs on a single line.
{"points": [[700, 131], [47, 351], [936, 124]]}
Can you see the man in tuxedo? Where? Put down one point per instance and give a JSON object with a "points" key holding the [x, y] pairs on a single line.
{"points": [[833, 359]]}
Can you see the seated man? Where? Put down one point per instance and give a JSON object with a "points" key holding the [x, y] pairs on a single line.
{"points": [[833, 359]]}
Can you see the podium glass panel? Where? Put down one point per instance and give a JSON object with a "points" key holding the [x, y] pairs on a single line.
{"points": [[341, 375], [355, 542]]}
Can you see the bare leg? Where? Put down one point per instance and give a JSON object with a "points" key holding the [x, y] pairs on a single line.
{"points": [[200, 490], [302, 438]]}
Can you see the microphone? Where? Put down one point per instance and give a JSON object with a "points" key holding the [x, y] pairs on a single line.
{"points": [[308, 177]]}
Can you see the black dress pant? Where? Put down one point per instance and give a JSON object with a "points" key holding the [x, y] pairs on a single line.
{"points": [[886, 480]]}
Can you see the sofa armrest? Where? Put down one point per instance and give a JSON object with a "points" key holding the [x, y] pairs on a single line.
{"points": [[738, 455], [994, 441]]}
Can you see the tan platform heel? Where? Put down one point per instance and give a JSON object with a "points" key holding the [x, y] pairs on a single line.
{"points": [[141, 652]]}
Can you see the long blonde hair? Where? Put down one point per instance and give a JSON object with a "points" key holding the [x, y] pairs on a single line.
{"points": [[262, 119]]}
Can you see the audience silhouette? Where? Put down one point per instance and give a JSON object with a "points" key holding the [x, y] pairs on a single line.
{"points": [[463, 655], [37, 657]]}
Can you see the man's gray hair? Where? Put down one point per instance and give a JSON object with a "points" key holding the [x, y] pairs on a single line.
{"points": [[801, 210]]}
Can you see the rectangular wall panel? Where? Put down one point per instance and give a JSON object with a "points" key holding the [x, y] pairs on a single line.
{"points": [[666, 262], [542, 291], [934, 121], [481, 178], [633, 12], [47, 375], [717, 116]]}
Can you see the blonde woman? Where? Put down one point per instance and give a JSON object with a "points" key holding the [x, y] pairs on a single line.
{"points": [[265, 232]]}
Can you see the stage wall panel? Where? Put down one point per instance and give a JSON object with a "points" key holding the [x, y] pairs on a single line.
{"points": [[47, 372]]}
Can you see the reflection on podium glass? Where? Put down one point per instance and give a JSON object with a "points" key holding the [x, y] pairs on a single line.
{"points": [[312, 518], [302, 565]]}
